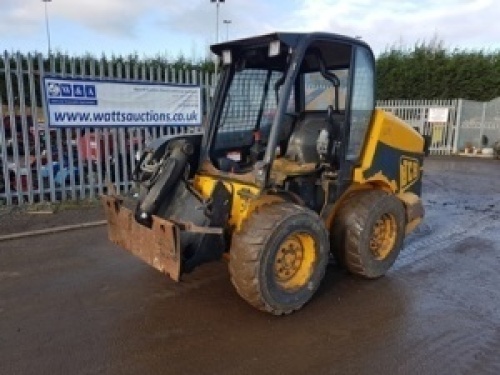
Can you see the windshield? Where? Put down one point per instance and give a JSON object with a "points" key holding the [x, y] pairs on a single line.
{"points": [[250, 105], [320, 93]]}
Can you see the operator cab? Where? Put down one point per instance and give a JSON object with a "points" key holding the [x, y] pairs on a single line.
{"points": [[289, 106]]}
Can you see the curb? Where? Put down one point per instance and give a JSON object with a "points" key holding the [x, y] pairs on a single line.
{"points": [[63, 228]]}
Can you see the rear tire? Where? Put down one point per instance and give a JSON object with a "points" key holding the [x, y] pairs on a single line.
{"points": [[368, 233], [279, 257]]}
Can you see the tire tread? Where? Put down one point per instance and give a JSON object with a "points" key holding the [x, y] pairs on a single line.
{"points": [[349, 226], [247, 247]]}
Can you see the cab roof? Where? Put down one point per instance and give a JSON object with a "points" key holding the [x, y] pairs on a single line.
{"points": [[290, 39], [255, 50]]}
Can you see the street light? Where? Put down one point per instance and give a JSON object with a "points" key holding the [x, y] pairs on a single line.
{"points": [[227, 23], [217, 2], [47, 23]]}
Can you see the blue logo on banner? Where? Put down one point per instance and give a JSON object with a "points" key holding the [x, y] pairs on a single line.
{"points": [[78, 90], [66, 90], [90, 91], [54, 89], [66, 93]]}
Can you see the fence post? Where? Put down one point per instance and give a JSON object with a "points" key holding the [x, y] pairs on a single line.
{"points": [[36, 126], [4, 168], [481, 128], [458, 123], [11, 115], [48, 140], [59, 140], [21, 95]]}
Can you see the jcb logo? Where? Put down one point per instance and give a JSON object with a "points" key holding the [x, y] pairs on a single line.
{"points": [[409, 172]]}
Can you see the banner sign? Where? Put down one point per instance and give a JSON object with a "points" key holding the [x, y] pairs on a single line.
{"points": [[80, 102], [438, 114]]}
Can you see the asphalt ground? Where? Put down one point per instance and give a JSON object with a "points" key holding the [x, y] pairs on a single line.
{"points": [[73, 303], [18, 220]]}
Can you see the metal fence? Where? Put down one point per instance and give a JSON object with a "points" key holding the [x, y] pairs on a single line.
{"points": [[444, 135], [479, 125], [40, 164]]}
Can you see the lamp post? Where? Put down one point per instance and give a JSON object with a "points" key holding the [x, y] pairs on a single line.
{"points": [[47, 24], [217, 2], [227, 23]]}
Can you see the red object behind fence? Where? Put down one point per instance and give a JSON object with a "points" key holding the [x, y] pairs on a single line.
{"points": [[88, 147]]}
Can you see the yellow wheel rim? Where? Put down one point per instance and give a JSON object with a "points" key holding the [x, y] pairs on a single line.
{"points": [[383, 236], [294, 261]]}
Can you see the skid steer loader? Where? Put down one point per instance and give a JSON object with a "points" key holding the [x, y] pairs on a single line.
{"points": [[295, 164]]}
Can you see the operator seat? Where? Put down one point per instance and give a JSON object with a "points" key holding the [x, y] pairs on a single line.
{"points": [[302, 156], [302, 144]]}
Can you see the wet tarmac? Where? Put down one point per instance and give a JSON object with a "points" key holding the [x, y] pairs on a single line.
{"points": [[73, 303]]}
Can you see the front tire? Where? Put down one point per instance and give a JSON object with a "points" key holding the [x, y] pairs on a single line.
{"points": [[279, 257], [368, 233]]}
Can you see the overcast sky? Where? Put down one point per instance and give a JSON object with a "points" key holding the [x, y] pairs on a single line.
{"points": [[167, 27]]}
